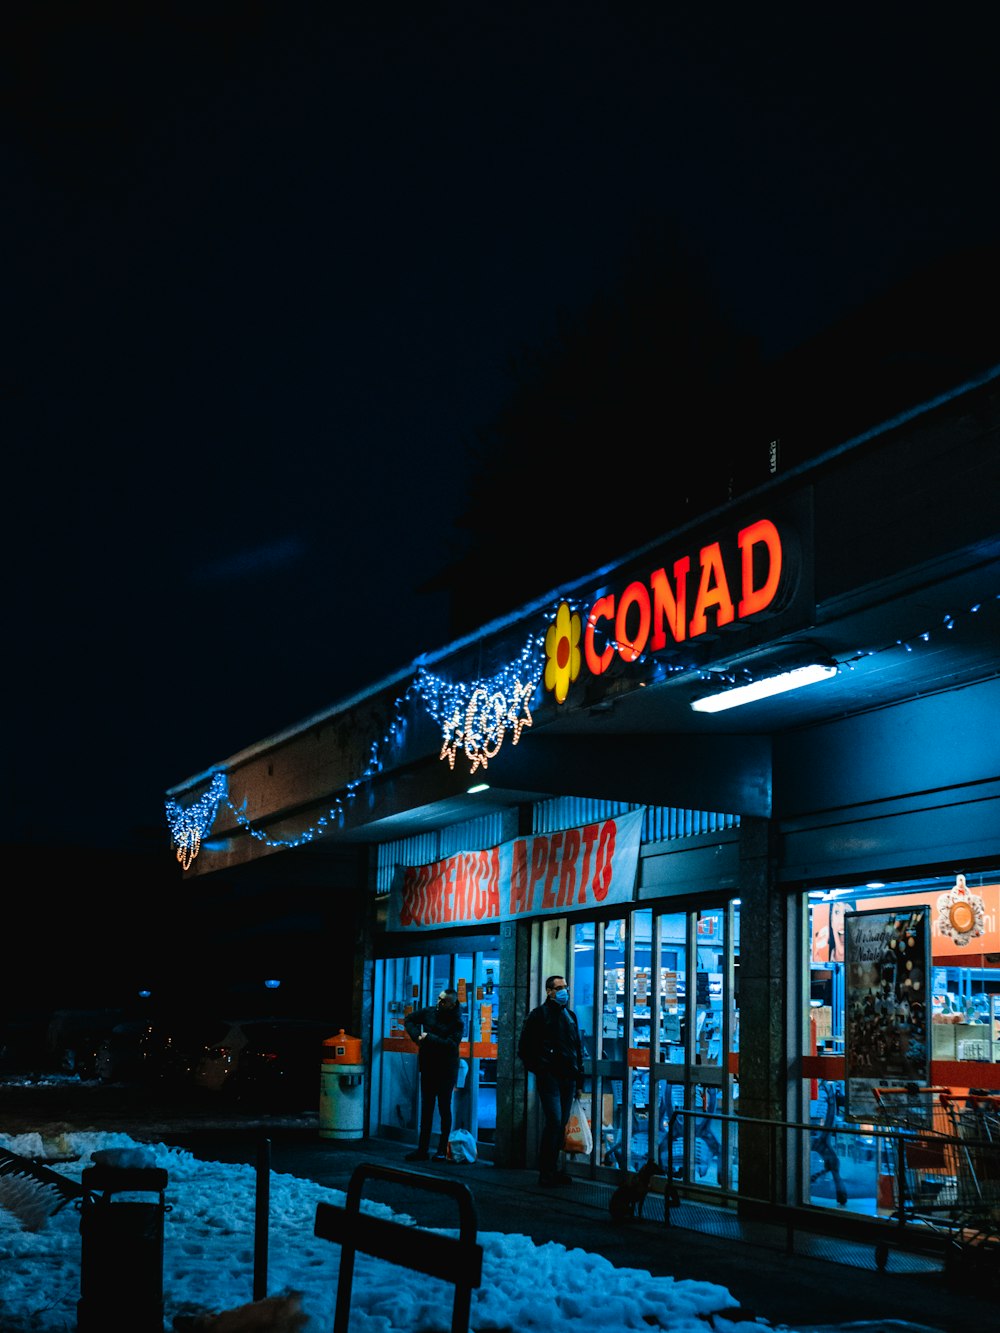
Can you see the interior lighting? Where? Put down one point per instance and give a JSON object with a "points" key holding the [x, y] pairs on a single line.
{"points": [[764, 688], [480, 786]]}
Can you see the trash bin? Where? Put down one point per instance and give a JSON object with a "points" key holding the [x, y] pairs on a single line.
{"points": [[342, 1089], [121, 1257]]}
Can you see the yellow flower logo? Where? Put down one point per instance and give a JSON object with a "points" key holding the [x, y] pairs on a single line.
{"points": [[562, 648]]}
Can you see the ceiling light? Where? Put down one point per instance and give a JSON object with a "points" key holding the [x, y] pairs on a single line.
{"points": [[764, 688], [480, 786]]}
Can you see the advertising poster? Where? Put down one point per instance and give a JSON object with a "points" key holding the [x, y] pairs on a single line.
{"points": [[887, 1003]]}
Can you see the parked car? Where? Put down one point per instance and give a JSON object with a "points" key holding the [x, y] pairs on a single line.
{"points": [[122, 1053], [186, 1053], [74, 1037], [279, 1066], [170, 1052]]}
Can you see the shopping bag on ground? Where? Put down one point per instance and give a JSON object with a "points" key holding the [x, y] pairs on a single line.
{"points": [[578, 1137], [461, 1146]]}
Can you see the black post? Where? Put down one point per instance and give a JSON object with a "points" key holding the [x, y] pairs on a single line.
{"points": [[261, 1220]]}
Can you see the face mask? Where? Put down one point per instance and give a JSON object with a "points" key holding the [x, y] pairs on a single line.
{"points": [[561, 996]]}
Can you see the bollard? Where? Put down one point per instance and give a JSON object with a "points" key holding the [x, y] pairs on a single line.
{"points": [[121, 1258]]}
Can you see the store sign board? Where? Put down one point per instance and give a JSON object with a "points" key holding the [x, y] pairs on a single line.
{"points": [[572, 870], [887, 1003], [754, 577]]}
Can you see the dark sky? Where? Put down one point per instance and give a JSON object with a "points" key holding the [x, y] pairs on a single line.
{"points": [[264, 266]]}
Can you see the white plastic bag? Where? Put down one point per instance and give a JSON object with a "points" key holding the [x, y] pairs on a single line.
{"points": [[461, 1146], [578, 1137]]}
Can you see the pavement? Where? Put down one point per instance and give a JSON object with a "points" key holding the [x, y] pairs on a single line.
{"points": [[807, 1282]]}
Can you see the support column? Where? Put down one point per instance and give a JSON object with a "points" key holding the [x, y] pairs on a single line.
{"points": [[510, 1143], [763, 1013]]}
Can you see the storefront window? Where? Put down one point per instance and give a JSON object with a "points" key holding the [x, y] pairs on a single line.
{"points": [[963, 912], [941, 984]]}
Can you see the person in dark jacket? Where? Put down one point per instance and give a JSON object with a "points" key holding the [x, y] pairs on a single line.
{"points": [[436, 1031], [550, 1048]]}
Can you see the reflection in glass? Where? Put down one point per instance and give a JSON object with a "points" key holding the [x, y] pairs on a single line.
{"points": [[672, 993]]}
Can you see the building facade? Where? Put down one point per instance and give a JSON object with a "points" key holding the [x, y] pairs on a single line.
{"points": [[699, 782]]}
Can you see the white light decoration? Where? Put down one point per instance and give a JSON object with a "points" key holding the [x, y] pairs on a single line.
{"points": [[476, 717], [481, 731], [765, 688]]}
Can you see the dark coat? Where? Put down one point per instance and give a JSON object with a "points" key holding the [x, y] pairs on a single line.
{"points": [[550, 1042], [439, 1049]]}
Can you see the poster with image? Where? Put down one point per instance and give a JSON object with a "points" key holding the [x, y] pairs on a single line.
{"points": [[887, 999]]}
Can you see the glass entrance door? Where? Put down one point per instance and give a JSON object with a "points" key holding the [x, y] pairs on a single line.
{"points": [[654, 991], [404, 984]]}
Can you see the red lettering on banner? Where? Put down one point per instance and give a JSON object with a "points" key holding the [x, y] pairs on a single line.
{"points": [[493, 884], [405, 911], [429, 896], [567, 872], [478, 906], [446, 889], [464, 868], [589, 833], [519, 878], [439, 890], [547, 873], [605, 855], [551, 874], [539, 857]]}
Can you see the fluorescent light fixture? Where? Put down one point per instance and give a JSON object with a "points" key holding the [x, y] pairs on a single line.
{"points": [[480, 786], [764, 688]]}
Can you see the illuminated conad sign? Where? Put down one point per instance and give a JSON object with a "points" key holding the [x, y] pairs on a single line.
{"points": [[718, 587]]}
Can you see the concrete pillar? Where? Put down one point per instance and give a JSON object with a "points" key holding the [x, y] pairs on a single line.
{"points": [[510, 1143], [763, 992]]}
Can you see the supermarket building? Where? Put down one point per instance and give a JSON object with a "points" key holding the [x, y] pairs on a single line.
{"points": [[575, 789]]}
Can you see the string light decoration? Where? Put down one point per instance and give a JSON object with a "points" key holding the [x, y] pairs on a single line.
{"points": [[475, 718], [189, 825]]}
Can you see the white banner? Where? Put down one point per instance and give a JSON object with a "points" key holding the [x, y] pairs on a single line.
{"points": [[568, 871]]}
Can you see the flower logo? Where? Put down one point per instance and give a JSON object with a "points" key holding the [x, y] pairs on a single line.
{"points": [[562, 649]]}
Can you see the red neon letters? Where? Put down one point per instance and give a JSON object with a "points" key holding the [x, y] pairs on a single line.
{"points": [[645, 614]]}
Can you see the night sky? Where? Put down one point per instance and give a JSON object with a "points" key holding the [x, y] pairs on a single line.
{"points": [[265, 268]]}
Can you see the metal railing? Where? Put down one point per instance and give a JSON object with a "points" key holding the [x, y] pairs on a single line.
{"points": [[779, 1172]]}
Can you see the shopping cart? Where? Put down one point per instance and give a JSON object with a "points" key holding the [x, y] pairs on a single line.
{"points": [[975, 1241], [917, 1167]]}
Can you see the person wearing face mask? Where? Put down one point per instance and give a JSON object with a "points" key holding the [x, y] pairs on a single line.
{"points": [[437, 1033], [550, 1048]]}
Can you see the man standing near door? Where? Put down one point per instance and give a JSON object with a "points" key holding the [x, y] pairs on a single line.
{"points": [[437, 1032], [550, 1048]]}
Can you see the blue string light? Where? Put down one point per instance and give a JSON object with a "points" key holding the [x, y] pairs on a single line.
{"points": [[473, 716]]}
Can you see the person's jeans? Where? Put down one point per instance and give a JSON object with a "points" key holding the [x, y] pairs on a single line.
{"points": [[435, 1087], [556, 1097]]}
